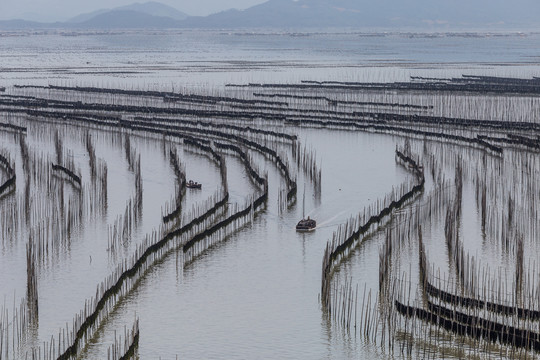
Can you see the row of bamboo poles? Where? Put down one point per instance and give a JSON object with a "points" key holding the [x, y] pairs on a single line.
{"points": [[489, 315]]}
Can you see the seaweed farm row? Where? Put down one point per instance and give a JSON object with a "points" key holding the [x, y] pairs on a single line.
{"points": [[466, 83], [424, 195]]}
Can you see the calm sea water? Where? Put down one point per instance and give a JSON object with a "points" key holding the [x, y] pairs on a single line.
{"points": [[256, 294], [202, 58]]}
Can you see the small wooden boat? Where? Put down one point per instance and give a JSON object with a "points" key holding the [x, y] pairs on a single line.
{"points": [[193, 185], [305, 224]]}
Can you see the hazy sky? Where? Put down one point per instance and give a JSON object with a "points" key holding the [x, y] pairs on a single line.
{"points": [[63, 9]]}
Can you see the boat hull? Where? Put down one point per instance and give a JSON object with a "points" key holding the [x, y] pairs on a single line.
{"points": [[303, 229], [306, 225]]}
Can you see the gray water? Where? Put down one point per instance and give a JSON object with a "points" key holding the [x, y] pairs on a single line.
{"points": [[207, 58], [255, 295]]}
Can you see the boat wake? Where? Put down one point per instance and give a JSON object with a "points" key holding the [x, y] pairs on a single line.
{"points": [[329, 222]]}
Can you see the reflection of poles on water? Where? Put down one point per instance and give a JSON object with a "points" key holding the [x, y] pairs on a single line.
{"points": [[304, 204], [125, 347], [306, 160], [31, 285]]}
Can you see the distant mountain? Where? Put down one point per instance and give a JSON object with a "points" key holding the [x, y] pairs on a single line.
{"points": [[320, 14], [149, 8], [126, 19], [40, 17], [380, 14], [19, 24], [117, 19]]}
